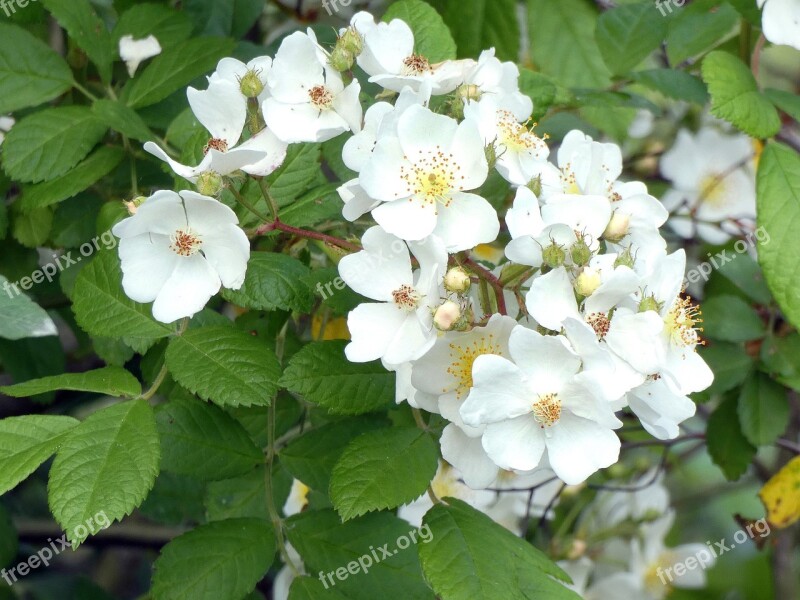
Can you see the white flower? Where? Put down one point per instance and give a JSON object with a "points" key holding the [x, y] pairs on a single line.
{"points": [[134, 52], [6, 123], [536, 404], [421, 178], [781, 21], [297, 499], [399, 327], [308, 100], [584, 167], [356, 201], [389, 59], [713, 183], [498, 81], [640, 216], [222, 110], [235, 71], [178, 250], [406, 392]]}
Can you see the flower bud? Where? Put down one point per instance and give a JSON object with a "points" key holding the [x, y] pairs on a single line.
{"points": [[576, 549], [351, 41], [535, 185], [491, 156], [554, 255], [133, 205], [617, 228], [649, 303], [457, 281], [468, 91], [580, 252], [341, 59], [251, 84], [587, 282], [209, 183], [446, 316], [625, 259]]}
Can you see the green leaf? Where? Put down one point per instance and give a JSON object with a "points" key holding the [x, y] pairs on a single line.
{"points": [[322, 375], [223, 559], [21, 317], [169, 26], [731, 319], [90, 171], [175, 68], [31, 73], [50, 142], [745, 274], [543, 91], [311, 588], [105, 466], [120, 118], [728, 447], [314, 207], [203, 441], [778, 201], [781, 358], [763, 410], [224, 365], [673, 84], [729, 362], [111, 381], [736, 98], [32, 228], [87, 30], [786, 101], [481, 24], [273, 282], [470, 557], [298, 173], [245, 496], [175, 500], [563, 44], [325, 544], [383, 469], [627, 34], [432, 38], [698, 27], [312, 456], [26, 442]]}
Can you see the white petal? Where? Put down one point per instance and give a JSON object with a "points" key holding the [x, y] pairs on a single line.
{"points": [[356, 201], [221, 109], [348, 105], [578, 447], [381, 177], [467, 221], [469, 154], [551, 299], [383, 267], [147, 263], [499, 392], [421, 131], [407, 219], [372, 329], [274, 151], [468, 456], [133, 51], [545, 360], [660, 409], [227, 251], [515, 444], [187, 291]]}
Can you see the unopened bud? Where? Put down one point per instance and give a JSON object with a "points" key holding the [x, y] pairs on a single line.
{"points": [[341, 59], [618, 227], [625, 259], [133, 205], [535, 185], [587, 282], [447, 315], [649, 303], [351, 41], [251, 84], [580, 252], [457, 281], [468, 91], [554, 255], [576, 549], [209, 183], [491, 156]]}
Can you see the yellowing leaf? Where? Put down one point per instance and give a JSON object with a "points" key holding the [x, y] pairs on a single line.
{"points": [[334, 329], [781, 495]]}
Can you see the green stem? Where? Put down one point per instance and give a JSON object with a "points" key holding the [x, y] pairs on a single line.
{"points": [[273, 205], [162, 375], [84, 91], [246, 203]]}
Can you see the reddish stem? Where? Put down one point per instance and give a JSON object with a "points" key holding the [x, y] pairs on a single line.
{"points": [[305, 233], [492, 280]]}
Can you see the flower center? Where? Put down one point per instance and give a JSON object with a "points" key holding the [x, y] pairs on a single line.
{"points": [[547, 410], [569, 180], [433, 177], [416, 65], [217, 144], [406, 297], [681, 321], [465, 356], [517, 137], [714, 190], [600, 323], [446, 485], [321, 97], [185, 242]]}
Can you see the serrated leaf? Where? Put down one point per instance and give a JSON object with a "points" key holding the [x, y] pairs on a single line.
{"points": [[731, 319], [383, 469], [543, 91], [698, 27], [106, 465], [778, 202], [432, 38], [99, 164], [169, 26], [223, 559], [87, 30], [21, 317], [175, 68], [123, 119], [102, 308], [50, 142], [298, 173], [736, 98], [32, 228], [314, 207], [224, 365], [322, 375], [482, 24], [311, 588], [563, 44], [674, 84], [730, 364], [470, 557], [246, 496], [112, 381], [627, 34], [325, 544], [31, 73], [203, 441], [727, 445], [26, 442], [273, 281], [763, 409]]}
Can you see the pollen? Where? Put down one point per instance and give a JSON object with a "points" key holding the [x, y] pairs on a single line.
{"points": [[185, 242], [464, 357], [416, 65], [714, 190], [681, 323], [600, 323], [406, 298], [518, 137], [432, 177], [569, 180], [321, 97], [547, 410], [217, 144]]}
